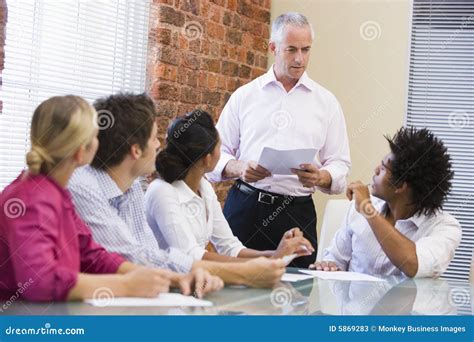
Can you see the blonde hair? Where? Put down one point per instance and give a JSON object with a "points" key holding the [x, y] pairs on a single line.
{"points": [[60, 125]]}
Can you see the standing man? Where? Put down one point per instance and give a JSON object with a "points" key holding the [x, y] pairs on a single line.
{"points": [[282, 109]]}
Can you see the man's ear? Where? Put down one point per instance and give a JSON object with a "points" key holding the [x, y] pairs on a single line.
{"points": [[402, 188], [135, 151], [273, 47]]}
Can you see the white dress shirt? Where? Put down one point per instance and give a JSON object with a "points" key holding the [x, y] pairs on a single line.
{"points": [[355, 247], [263, 114], [183, 220]]}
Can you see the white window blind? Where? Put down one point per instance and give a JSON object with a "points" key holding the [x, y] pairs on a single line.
{"points": [[441, 98], [87, 48]]}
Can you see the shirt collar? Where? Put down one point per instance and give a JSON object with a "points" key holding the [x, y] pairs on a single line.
{"points": [[269, 77], [185, 194], [381, 207], [108, 185]]}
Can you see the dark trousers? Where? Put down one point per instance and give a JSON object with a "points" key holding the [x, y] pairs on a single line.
{"points": [[261, 226]]}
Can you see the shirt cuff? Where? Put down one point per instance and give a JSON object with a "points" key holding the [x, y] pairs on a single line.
{"points": [[197, 253], [236, 250], [338, 180], [65, 280], [113, 264], [179, 261], [216, 174], [426, 263]]}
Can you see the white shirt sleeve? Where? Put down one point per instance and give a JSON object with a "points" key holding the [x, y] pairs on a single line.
{"points": [[164, 212], [340, 249], [225, 242], [435, 251], [229, 131], [335, 154]]}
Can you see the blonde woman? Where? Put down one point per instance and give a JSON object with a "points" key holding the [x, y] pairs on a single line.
{"points": [[43, 242]]}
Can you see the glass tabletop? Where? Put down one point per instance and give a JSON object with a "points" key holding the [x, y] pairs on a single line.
{"points": [[393, 296]]}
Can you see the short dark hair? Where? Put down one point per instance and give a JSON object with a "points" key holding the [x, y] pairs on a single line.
{"points": [[421, 160], [189, 138], [124, 119]]}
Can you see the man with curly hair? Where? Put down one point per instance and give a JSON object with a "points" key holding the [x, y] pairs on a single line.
{"points": [[401, 228]]}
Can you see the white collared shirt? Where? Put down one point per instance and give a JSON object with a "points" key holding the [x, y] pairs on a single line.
{"points": [[183, 220], [355, 247], [263, 114]]}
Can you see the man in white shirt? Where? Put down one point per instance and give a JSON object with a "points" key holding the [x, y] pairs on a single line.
{"points": [[401, 229], [282, 109]]}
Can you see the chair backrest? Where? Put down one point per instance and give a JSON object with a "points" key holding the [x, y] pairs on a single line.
{"points": [[333, 215]]}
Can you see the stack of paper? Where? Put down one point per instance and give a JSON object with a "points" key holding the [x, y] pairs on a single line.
{"points": [[294, 277], [164, 299], [339, 275]]}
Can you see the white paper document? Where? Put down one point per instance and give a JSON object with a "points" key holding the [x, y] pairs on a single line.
{"points": [[294, 277], [164, 299], [339, 275], [279, 162]]}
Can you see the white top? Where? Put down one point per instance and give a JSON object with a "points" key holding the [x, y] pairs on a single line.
{"points": [[262, 114], [181, 219], [355, 247]]}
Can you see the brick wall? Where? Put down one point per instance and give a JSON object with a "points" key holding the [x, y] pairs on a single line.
{"points": [[3, 24], [200, 51]]}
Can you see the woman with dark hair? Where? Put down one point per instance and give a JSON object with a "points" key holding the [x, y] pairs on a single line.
{"points": [[182, 208]]}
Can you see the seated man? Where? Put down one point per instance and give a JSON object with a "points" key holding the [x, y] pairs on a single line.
{"points": [[108, 196], [401, 229]]}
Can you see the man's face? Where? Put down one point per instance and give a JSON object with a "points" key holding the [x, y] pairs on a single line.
{"points": [[382, 186], [292, 53], [147, 160]]}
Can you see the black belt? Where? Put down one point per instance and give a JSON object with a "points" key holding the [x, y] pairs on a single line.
{"points": [[268, 197]]}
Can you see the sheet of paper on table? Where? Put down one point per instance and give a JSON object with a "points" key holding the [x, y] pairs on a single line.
{"points": [[164, 299], [339, 275], [294, 277], [279, 162]]}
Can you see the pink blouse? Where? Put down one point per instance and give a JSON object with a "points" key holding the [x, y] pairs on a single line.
{"points": [[43, 242]]}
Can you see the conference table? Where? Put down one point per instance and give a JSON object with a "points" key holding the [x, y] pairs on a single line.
{"points": [[393, 296]]}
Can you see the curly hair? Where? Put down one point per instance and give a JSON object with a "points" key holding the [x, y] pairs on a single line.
{"points": [[421, 160]]}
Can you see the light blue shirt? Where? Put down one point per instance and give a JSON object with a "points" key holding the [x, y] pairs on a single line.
{"points": [[117, 220]]}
